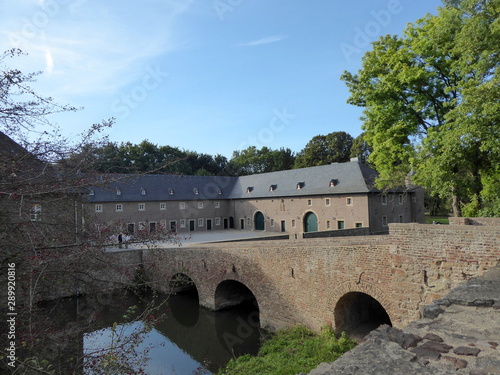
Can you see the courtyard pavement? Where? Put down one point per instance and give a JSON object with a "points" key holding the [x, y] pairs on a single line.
{"points": [[187, 239]]}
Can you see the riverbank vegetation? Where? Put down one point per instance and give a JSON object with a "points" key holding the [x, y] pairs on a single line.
{"points": [[290, 352]]}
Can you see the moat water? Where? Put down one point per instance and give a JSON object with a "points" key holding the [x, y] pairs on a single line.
{"points": [[188, 340]]}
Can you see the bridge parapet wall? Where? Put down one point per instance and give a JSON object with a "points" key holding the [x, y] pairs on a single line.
{"points": [[439, 257]]}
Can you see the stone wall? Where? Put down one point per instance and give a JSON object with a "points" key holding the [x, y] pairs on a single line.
{"points": [[302, 281], [488, 221]]}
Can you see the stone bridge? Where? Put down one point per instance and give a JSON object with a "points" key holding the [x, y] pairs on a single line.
{"points": [[352, 284]]}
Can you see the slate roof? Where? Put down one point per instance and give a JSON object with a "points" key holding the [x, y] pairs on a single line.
{"points": [[339, 178], [143, 188]]}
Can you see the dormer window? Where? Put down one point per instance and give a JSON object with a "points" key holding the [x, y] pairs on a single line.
{"points": [[92, 192], [300, 185], [118, 192], [143, 191], [171, 191], [332, 183], [219, 191], [249, 189], [196, 191], [273, 187]]}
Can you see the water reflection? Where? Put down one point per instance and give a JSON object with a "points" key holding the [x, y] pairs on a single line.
{"points": [[189, 340]]}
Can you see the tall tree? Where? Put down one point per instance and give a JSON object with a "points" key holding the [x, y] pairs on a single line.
{"points": [[325, 149], [431, 102], [361, 149], [252, 160], [44, 250]]}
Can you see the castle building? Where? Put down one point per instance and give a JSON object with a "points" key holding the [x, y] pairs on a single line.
{"points": [[323, 198]]}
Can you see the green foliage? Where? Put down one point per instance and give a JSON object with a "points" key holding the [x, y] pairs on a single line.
{"points": [[251, 160], [325, 149], [432, 104], [291, 351]]}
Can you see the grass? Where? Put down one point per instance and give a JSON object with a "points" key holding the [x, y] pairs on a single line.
{"points": [[291, 351], [437, 219]]}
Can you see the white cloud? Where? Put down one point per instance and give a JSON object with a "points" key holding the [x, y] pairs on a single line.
{"points": [[266, 40], [89, 46]]}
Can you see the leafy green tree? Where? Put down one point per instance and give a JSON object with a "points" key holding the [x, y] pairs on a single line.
{"points": [[325, 149], [361, 149], [431, 100], [251, 160]]}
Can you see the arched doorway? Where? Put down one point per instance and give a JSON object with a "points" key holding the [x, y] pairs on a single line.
{"points": [[310, 222], [358, 314], [259, 221]]}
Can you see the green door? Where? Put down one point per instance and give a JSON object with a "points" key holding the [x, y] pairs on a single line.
{"points": [[259, 221], [310, 222]]}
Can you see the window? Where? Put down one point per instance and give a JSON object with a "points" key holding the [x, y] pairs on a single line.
{"points": [[400, 198], [273, 187], [119, 207], [118, 192], [249, 221], [328, 226], [182, 223], [143, 191], [217, 204], [219, 191], [36, 212], [349, 201], [98, 208], [309, 202], [384, 199], [142, 225], [163, 206], [217, 221], [358, 225], [142, 207], [171, 191], [340, 224], [332, 183], [300, 185], [196, 191], [384, 221], [327, 201], [293, 223], [182, 205], [163, 224], [91, 192], [249, 189], [152, 226], [200, 205], [200, 222], [272, 222]]}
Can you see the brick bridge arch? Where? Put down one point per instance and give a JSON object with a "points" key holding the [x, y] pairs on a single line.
{"points": [[357, 287], [302, 281]]}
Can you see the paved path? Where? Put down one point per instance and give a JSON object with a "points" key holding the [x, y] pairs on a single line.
{"points": [[187, 239]]}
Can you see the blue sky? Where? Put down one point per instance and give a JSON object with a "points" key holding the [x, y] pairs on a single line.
{"points": [[211, 76]]}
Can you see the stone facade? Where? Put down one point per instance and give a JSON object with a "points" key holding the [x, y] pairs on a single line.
{"points": [[293, 202]]}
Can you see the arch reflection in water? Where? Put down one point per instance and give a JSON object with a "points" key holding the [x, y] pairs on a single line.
{"points": [[190, 338]]}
